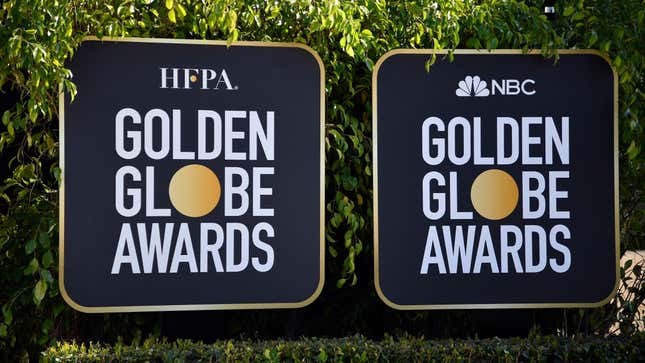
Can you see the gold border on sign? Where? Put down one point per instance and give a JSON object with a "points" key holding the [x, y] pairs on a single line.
{"points": [[534, 52], [143, 308]]}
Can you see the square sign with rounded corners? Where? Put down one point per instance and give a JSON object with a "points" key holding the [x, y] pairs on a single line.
{"points": [[193, 176], [495, 180]]}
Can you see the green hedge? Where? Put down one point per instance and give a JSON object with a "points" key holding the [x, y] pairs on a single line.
{"points": [[360, 349]]}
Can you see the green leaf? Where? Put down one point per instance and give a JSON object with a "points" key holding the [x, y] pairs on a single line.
{"points": [[578, 16], [473, 42], [340, 283], [436, 44], [171, 16], [332, 251], [568, 11], [169, 4], [350, 51], [5, 117], [322, 356], [43, 238], [57, 174], [369, 64], [3, 330], [7, 314], [40, 290], [46, 275], [47, 326], [593, 38], [30, 246], [181, 11], [430, 62], [47, 259], [32, 267], [632, 151], [492, 43], [232, 37], [44, 338], [58, 309]]}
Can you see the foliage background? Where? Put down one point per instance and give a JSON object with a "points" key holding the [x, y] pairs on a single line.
{"points": [[359, 349], [38, 36]]}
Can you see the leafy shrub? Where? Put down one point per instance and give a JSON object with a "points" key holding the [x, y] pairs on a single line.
{"points": [[360, 349]]}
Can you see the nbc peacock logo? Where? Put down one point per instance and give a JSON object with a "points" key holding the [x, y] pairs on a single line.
{"points": [[472, 86]]}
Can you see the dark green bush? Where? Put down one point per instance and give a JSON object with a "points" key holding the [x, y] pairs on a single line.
{"points": [[360, 349], [37, 37]]}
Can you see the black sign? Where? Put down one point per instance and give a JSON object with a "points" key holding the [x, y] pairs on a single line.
{"points": [[496, 180], [193, 176]]}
